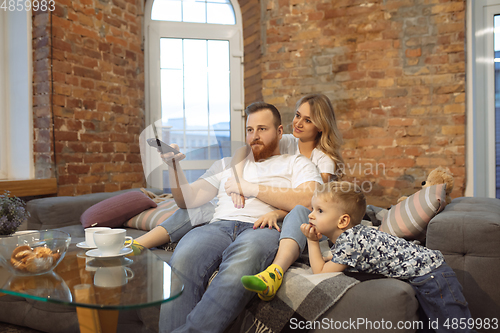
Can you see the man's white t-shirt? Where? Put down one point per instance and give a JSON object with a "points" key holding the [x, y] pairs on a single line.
{"points": [[277, 171], [290, 145]]}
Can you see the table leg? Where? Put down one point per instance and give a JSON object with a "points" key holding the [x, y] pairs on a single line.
{"points": [[92, 320], [97, 321]]}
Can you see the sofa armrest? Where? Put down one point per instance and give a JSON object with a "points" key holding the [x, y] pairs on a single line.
{"points": [[57, 212], [467, 232]]}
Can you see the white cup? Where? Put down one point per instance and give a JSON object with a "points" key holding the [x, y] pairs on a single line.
{"points": [[110, 242], [109, 277], [89, 235]]}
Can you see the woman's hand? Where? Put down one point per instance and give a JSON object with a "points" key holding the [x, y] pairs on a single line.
{"points": [[270, 219], [310, 232], [170, 158]]}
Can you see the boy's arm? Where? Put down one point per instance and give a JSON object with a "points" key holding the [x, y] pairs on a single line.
{"points": [[318, 265]]}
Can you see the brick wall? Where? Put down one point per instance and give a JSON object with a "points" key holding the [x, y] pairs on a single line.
{"points": [[252, 43], [395, 71], [89, 83], [88, 103]]}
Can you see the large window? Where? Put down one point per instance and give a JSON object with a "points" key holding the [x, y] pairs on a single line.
{"points": [[16, 143], [482, 120], [194, 82], [3, 86], [496, 42]]}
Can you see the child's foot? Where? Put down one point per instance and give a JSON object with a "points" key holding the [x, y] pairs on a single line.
{"points": [[136, 247], [266, 283]]}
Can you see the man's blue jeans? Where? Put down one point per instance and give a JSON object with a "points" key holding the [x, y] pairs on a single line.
{"points": [[233, 247], [440, 296], [180, 223]]}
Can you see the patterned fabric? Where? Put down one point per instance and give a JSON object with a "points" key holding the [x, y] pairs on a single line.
{"points": [[409, 218], [303, 295], [150, 218], [368, 250]]}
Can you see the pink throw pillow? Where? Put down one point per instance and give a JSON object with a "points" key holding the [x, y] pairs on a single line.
{"points": [[115, 211]]}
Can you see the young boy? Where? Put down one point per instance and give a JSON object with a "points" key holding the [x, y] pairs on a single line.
{"points": [[338, 208]]}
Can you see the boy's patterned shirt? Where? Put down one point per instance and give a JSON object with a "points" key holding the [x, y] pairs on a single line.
{"points": [[365, 249]]}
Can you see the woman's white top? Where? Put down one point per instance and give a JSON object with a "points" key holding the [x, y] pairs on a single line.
{"points": [[290, 145]]}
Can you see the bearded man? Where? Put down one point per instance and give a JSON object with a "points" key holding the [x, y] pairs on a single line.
{"points": [[229, 243]]}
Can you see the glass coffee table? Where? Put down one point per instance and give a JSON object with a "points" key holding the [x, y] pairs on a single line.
{"points": [[99, 287]]}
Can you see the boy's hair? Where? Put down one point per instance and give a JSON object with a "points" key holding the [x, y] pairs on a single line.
{"points": [[259, 106], [349, 195]]}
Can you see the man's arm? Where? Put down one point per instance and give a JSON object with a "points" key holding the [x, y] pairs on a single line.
{"points": [[280, 197], [287, 198], [187, 195]]}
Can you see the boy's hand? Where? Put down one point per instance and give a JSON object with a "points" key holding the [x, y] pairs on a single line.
{"points": [[270, 219], [310, 232]]}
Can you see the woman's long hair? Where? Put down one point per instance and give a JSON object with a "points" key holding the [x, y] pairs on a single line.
{"points": [[329, 140]]}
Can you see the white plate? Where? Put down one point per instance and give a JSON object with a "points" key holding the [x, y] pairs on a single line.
{"points": [[83, 245], [97, 254]]}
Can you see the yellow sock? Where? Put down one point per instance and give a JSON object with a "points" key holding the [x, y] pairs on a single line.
{"points": [[265, 283], [136, 247]]}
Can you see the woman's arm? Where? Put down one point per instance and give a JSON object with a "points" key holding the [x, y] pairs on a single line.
{"points": [[270, 219], [328, 177]]}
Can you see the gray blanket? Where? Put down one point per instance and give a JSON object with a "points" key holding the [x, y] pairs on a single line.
{"points": [[304, 296]]}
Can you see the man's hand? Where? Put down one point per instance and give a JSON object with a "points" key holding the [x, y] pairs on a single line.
{"points": [[270, 219], [238, 200], [169, 158], [310, 232], [243, 187]]}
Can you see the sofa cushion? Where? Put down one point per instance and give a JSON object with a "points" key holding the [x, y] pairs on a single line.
{"points": [[57, 212], [409, 218], [150, 218], [115, 211], [467, 232]]}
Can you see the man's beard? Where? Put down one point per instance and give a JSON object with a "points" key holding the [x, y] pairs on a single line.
{"points": [[264, 151]]}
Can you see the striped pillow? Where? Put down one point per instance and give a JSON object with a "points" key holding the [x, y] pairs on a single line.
{"points": [[409, 218], [150, 218]]}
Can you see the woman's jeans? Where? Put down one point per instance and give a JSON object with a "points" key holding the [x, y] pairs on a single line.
{"points": [[291, 225], [233, 247]]}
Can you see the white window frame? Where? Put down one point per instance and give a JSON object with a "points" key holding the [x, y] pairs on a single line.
{"points": [[154, 30], [480, 142], [16, 96]]}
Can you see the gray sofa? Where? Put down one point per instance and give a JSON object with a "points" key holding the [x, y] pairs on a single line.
{"points": [[474, 253]]}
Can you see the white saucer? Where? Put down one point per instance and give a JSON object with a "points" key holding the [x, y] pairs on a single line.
{"points": [[83, 245], [97, 254]]}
